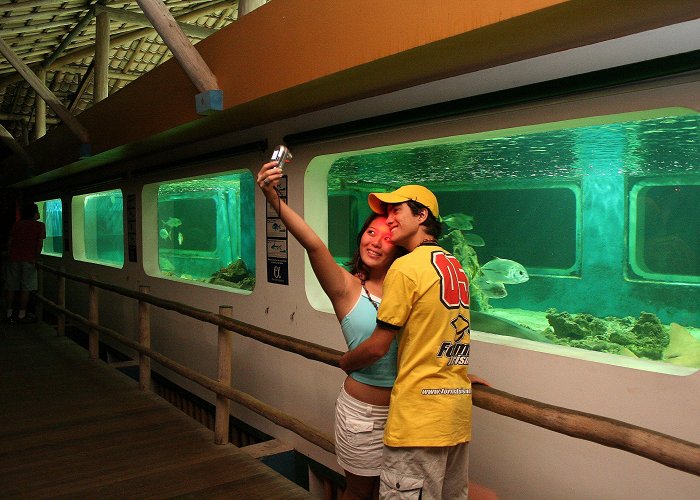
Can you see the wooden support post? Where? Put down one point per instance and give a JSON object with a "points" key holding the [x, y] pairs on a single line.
{"points": [[101, 83], [40, 109], [94, 317], [45, 93], [190, 60], [223, 404], [61, 300], [145, 341]]}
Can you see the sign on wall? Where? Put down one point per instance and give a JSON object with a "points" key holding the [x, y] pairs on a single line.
{"points": [[276, 241]]}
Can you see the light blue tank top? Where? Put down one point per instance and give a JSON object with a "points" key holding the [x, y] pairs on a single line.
{"points": [[357, 326]]}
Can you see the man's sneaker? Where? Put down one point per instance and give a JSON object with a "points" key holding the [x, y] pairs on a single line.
{"points": [[8, 319]]}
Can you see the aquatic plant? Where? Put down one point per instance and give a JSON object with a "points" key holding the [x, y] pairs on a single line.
{"points": [[487, 281]]}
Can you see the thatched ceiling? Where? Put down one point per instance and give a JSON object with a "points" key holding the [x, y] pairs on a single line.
{"points": [[59, 36]]}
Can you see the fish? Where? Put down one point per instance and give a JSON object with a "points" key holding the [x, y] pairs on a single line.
{"points": [[683, 349], [504, 271], [164, 234], [492, 289], [180, 238], [485, 322], [459, 221], [172, 222], [474, 240]]}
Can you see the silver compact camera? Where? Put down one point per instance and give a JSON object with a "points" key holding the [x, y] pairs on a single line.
{"points": [[281, 155]]}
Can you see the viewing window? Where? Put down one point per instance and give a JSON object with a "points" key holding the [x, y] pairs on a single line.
{"points": [[204, 230], [51, 214], [98, 228], [665, 236]]}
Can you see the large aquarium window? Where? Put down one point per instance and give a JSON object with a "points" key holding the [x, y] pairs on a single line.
{"points": [[98, 227], [205, 229], [582, 234], [51, 214]]}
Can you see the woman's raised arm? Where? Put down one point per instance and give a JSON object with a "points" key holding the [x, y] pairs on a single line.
{"points": [[333, 278]]}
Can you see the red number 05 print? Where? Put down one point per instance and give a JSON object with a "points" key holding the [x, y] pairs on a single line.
{"points": [[454, 284]]}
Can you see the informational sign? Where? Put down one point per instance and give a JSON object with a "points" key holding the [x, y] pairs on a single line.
{"points": [[276, 240], [131, 227]]}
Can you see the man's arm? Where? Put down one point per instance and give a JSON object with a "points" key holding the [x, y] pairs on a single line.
{"points": [[40, 240], [369, 351]]}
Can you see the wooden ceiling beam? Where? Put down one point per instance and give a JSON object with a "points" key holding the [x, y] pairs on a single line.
{"points": [[136, 34], [123, 39], [82, 87], [75, 126], [130, 17], [30, 48], [190, 60], [77, 29]]}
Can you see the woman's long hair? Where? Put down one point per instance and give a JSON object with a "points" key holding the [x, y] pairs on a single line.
{"points": [[356, 266]]}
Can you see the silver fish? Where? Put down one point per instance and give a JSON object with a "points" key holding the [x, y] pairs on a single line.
{"points": [[164, 234], [491, 289], [459, 221], [504, 271], [180, 238], [172, 222]]}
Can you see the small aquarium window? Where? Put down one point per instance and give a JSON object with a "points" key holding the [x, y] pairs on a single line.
{"points": [[51, 214], [562, 228], [203, 230], [98, 227], [665, 230]]}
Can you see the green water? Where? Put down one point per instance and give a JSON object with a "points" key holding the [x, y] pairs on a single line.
{"points": [[206, 230], [103, 218], [51, 214], [604, 219]]}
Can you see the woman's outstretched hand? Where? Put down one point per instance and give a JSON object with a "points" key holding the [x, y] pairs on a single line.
{"points": [[269, 177]]}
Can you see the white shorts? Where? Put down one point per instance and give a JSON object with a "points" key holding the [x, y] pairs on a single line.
{"points": [[359, 435]]}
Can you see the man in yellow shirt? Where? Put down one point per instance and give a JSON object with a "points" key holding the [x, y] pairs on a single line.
{"points": [[425, 303]]}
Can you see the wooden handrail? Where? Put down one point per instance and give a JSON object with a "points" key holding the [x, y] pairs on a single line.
{"points": [[662, 448], [267, 411], [303, 348]]}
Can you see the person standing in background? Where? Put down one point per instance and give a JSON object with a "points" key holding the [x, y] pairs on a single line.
{"points": [[23, 249]]}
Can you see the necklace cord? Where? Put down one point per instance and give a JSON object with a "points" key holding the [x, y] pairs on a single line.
{"points": [[369, 297]]}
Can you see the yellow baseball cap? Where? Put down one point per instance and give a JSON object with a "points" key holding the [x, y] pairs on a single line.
{"points": [[414, 192]]}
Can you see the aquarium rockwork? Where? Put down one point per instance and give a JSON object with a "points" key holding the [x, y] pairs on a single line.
{"points": [[206, 230], [51, 214], [98, 227], [583, 234]]}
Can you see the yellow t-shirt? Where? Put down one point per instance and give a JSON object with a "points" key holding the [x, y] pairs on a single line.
{"points": [[426, 297]]}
